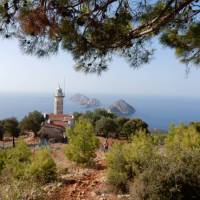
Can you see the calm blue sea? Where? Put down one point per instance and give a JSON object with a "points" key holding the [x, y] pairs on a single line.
{"points": [[158, 112]]}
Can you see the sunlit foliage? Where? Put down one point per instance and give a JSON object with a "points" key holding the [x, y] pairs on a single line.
{"points": [[82, 143], [95, 30]]}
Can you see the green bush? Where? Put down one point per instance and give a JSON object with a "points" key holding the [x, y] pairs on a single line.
{"points": [[21, 152], [15, 184], [18, 159], [42, 168], [170, 179], [158, 138], [126, 161], [82, 143], [182, 138], [196, 125], [151, 169], [140, 152], [23, 173], [117, 172], [20, 190], [2, 159]]}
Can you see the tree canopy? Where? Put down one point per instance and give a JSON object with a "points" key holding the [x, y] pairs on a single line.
{"points": [[133, 126], [32, 122], [10, 127], [94, 30], [82, 143], [106, 127]]}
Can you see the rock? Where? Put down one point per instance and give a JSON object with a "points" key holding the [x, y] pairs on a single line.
{"points": [[51, 187], [103, 195], [93, 194], [123, 196], [59, 184], [121, 107], [85, 101], [102, 198]]}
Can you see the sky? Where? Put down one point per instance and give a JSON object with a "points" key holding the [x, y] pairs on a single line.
{"points": [[163, 76]]}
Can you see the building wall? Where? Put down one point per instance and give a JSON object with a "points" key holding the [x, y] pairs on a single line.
{"points": [[58, 105]]}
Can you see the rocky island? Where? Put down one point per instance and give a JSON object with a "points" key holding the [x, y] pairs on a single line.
{"points": [[85, 101], [121, 107]]}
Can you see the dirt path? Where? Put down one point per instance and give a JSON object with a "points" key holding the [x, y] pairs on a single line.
{"points": [[88, 184], [80, 183]]}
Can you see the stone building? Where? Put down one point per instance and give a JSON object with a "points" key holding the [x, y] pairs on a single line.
{"points": [[51, 133]]}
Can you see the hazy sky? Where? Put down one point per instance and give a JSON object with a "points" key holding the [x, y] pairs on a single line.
{"points": [[164, 76]]}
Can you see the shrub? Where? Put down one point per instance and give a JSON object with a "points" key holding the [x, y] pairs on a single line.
{"points": [[117, 172], [126, 161], [17, 159], [21, 189], [42, 168], [151, 171], [158, 138], [169, 179], [196, 125], [21, 152], [2, 160], [140, 152], [82, 143], [182, 138]]}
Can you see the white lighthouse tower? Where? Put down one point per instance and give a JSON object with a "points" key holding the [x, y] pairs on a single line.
{"points": [[58, 101]]}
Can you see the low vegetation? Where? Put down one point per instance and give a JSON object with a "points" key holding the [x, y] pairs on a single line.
{"points": [[22, 173], [152, 170], [42, 168]]}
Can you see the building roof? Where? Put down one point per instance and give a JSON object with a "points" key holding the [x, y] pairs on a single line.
{"points": [[59, 92], [59, 117], [59, 120], [49, 131]]}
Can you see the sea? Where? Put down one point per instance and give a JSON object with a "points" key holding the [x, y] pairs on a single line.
{"points": [[158, 112]]}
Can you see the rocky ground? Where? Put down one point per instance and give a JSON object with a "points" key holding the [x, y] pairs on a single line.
{"points": [[79, 183]]}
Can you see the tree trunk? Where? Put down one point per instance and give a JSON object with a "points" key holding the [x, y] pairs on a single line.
{"points": [[13, 141]]}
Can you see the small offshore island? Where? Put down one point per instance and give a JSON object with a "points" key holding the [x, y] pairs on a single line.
{"points": [[85, 101], [119, 107]]}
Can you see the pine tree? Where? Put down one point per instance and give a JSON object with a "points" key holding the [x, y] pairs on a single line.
{"points": [[82, 143]]}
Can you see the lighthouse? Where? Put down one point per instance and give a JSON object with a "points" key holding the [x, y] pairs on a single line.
{"points": [[58, 101]]}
